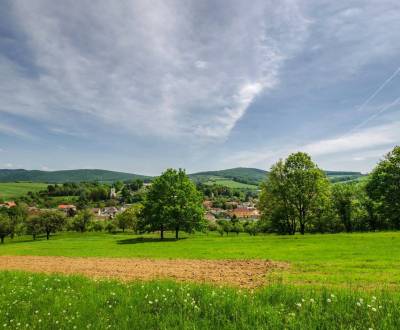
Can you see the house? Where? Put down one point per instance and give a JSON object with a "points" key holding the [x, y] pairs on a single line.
{"points": [[110, 212], [96, 211], [207, 204], [67, 208], [210, 217], [245, 212], [8, 204]]}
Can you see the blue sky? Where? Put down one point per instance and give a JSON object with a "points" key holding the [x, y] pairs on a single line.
{"points": [[141, 85]]}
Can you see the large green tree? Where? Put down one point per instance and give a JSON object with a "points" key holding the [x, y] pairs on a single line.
{"points": [[294, 191], [383, 187], [174, 203]]}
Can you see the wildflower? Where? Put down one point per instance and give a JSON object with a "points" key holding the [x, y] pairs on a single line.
{"points": [[150, 302], [312, 300], [303, 300], [373, 298], [298, 305], [332, 295], [373, 309], [328, 300], [358, 304]]}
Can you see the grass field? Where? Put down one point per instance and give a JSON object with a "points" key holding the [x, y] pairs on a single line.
{"points": [[17, 189], [230, 183], [367, 260], [57, 302]]}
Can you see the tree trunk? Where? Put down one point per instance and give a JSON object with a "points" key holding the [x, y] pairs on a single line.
{"points": [[177, 233], [2, 239], [47, 235], [162, 232], [123, 229], [34, 237], [302, 228]]}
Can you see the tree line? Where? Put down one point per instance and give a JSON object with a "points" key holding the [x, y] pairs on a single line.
{"points": [[297, 197]]}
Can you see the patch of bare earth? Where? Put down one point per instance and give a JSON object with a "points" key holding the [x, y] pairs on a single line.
{"points": [[248, 273]]}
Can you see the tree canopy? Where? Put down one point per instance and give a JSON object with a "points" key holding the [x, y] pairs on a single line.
{"points": [[172, 203]]}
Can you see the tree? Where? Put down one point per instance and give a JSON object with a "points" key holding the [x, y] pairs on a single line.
{"points": [[17, 215], [34, 226], [383, 187], [276, 211], [52, 221], [172, 202], [343, 196], [129, 218], [294, 189], [82, 220], [5, 226]]}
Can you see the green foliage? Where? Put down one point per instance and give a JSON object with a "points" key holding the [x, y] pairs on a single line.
{"points": [[129, 218], [5, 226], [47, 222], [383, 187], [294, 190], [82, 220], [172, 202]]}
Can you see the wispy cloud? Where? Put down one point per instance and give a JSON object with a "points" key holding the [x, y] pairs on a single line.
{"points": [[149, 68], [7, 129], [370, 142]]}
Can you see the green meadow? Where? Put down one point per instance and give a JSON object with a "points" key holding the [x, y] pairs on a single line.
{"points": [[17, 189], [365, 260], [35, 301]]}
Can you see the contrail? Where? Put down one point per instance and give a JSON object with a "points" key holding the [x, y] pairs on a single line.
{"points": [[381, 110], [388, 80]]}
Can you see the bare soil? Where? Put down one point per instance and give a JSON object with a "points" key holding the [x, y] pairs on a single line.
{"points": [[242, 273]]}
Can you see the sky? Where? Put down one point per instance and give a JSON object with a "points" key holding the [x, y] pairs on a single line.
{"points": [[140, 86]]}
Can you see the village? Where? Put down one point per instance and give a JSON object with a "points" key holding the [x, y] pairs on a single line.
{"points": [[232, 208]]}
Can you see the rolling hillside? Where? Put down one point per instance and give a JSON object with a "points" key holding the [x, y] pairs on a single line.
{"points": [[239, 174], [240, 177], [66, 176]]}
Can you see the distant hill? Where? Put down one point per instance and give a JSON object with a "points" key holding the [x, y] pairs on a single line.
{"points": [[7, 175], [243, 176], [239, 174]]}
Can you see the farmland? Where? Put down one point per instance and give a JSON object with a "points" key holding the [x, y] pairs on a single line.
{"points": [[340, 281], [18, 189], [342, 260]]}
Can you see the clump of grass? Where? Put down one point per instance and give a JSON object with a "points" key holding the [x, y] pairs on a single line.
{"points": [[36, 301]]}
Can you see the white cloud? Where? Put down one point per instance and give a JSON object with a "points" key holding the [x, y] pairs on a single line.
{"points": [[368, 143], [130, 65]]}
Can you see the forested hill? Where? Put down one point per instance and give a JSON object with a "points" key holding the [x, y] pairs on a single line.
{"points": [[7, 175], [250, 176]]}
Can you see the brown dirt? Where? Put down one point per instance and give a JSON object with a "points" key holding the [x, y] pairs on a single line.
{"points": [[247, 274]]}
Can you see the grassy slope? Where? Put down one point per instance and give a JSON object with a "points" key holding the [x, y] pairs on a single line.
{"points": [[229, 183], [57, 302], [370, 259], [13, 189]]}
